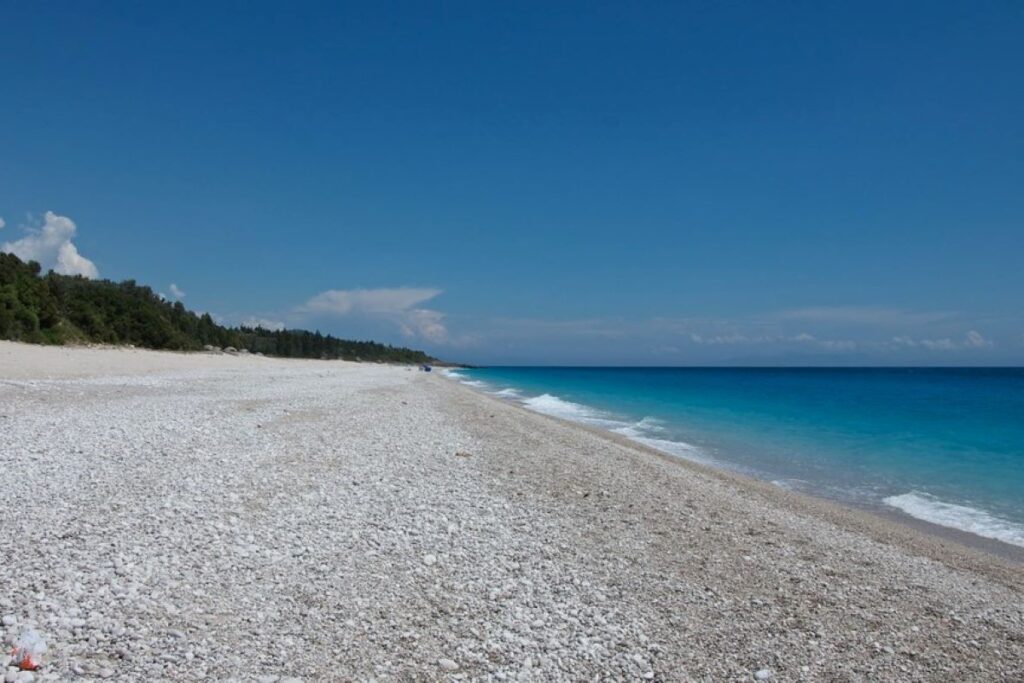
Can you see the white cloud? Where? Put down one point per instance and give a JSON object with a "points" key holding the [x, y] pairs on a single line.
{"points": [[972, 340], [945, 344], [860, 315], [2, 223], [51, 245], [976, 341], [801, 338], [176, 291], [345, 301], [761, 334], [265, 323], [398, 304], [730, 338], [423, 322], [839, 345]]}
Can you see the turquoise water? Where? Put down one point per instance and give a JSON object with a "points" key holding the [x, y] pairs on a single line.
{"points": [[943, 445]]}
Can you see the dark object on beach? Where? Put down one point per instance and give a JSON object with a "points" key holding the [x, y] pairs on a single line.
{"points": [[425, 368], [463, 454]]}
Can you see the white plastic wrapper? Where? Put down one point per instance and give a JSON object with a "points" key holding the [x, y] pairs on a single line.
{"points": [[28, 650]]}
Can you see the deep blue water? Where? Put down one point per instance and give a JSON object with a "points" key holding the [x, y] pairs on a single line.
{"points": [[944, 445]]}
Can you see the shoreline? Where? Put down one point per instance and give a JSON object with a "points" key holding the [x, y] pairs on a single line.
{"points": [[876, 512], [951, 546], [189, 516]]}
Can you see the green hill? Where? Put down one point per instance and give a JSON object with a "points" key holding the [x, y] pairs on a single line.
{"points": [[60, 309]]}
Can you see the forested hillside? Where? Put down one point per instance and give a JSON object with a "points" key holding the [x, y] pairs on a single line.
{"points": [[59, 309]]}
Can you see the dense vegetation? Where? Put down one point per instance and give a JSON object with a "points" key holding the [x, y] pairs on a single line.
{"points": [[58, 309]]}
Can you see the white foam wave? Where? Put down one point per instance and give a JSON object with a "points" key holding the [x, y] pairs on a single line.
{"points": [[650, 424], [567, 410], [552, 405], [931, 509], [508, 393], [792, 484], [463, 379], [680, 449], [641, 429]]}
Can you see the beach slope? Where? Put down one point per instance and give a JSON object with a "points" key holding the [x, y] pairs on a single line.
{"points": [[177, 517]]}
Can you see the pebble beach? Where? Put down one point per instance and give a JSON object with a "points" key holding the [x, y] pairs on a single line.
{"points": [[215, 517]]}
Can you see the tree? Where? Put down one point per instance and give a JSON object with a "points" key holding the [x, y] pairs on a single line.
{"points": [[58, 308]]}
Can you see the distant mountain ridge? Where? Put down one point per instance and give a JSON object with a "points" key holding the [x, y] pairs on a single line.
{"points": [[61, 309]]}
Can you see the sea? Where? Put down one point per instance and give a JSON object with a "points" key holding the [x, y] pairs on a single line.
{"points": [[942, 445]]}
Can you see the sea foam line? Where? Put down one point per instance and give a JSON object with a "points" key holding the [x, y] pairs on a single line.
{"points": [[978, 522], [919, 505], [459, 377], [640, 432], [552, 405]]}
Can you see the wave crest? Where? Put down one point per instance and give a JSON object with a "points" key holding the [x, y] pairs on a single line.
{"points": [[552, 405], [930, 509], [640, 432]]}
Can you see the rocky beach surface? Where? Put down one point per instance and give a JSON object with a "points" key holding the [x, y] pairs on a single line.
{"points": [[209, 517]]}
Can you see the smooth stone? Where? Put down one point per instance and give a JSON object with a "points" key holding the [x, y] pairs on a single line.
{"points": [[447, 664]]}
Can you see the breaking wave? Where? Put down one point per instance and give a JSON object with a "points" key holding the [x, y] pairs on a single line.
{"points": [[930, 509], [644, 431], [552, 405]]}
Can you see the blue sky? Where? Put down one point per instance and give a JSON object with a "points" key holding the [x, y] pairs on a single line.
{"points": [[636, 183]]}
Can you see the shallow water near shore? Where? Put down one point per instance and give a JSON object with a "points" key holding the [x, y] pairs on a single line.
{"points": [[942, 445]]}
